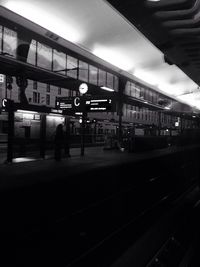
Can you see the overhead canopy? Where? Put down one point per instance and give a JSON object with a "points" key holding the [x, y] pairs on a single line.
{"points": [[96, 26]]}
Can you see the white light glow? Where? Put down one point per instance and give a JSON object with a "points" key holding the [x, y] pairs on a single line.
{"points": [[107, 89], [44, 19], [146, 76], [114, 57], [27, 111]]}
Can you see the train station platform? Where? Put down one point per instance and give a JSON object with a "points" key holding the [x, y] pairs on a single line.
{"points": [[94, 158]]}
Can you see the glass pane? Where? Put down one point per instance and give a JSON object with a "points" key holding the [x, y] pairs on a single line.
{"points": [[59, 62], [32, 53], [0, 38], [133, 90], [83, 71], [93, 75], [109, 80], [9, 42], [102, 78], [127, 88], [44, 56], [116, 83], [137, 91], [72, 65]]}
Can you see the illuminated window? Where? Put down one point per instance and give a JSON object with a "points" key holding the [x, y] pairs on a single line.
{"points": [[93, 75], [83, 71], [9, 42], [72, 67]]}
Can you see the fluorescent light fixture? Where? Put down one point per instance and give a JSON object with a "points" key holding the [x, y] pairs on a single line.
{"points": [[107, 89], [167, 108], [54, 115], [27, 111]]}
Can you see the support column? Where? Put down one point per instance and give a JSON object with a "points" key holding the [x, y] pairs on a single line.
{"points": [[122, 85], [43, 136], [159, 123], [83, 133], [67, 137], [10, 131]]}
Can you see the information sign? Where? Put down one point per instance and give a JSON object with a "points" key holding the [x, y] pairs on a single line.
{"points": [[99, 104]]}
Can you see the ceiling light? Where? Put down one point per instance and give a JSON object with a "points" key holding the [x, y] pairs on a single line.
{"points": [[107, 89], [27, 111]]}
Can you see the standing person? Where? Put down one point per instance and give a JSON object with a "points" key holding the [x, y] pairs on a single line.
{"points": [[66, 143], [58, 141]]}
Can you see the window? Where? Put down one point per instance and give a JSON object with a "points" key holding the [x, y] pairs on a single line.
{"points": [[109, 80], [1, 31], [142, 93], [116, 83], [34, 85], [36, 97], [72, 67], [127, 88], [48, 100], [137, 91], [102, 78], [59, 90], [48, 88], [59, 62], [93, 75], [32, 53], [44, 56], [83, 71], [9, 42]]}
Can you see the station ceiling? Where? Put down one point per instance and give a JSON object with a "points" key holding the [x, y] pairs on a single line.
{"points": [[156, 41]]}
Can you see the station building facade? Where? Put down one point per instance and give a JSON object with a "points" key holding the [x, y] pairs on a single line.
{"points": [[38, 66]]}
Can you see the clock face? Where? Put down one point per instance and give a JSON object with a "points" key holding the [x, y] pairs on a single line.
{"points": [[83, 88]]}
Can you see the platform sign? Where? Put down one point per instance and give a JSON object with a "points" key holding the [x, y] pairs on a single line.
{"points": [[100, 104], [69, 104], [87, 104]]}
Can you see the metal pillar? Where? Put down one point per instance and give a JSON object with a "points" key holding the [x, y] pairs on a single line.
{"points": [[83, 134], [43, 136], [122, 85], [10, 132]]}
